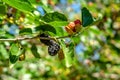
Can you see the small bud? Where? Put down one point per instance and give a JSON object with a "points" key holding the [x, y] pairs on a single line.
{"points": [[22, 57]]}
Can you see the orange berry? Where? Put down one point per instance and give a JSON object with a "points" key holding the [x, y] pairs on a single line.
{"points": [[69, 30]]}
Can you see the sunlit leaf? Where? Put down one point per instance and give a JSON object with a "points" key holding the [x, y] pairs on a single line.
{"points": [[2, 32], [14, 49], [58, 23], [69, 54], [3, 51], [20, 5]]}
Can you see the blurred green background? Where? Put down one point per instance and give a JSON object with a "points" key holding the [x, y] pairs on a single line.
{"points": [[97, 50]]}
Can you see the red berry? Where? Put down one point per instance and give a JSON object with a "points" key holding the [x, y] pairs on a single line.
{"points": [[77, 22]]}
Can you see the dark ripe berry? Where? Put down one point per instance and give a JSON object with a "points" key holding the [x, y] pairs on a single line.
{"points": [[53, 49], [46, 42]]}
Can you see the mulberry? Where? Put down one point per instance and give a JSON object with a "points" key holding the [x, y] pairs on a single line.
{"points": [[53, 49], [46, 42]]}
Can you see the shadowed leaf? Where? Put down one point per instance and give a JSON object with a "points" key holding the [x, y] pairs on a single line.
{"points": [[46, 27], [34, 51], [87, 18], [26, 31], [13, 58]]}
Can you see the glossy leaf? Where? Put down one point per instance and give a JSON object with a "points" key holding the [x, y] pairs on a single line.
{"points": [[87, 18], [34, 51], [55, 16], [23, 6], [13, 58], [26, 31]]}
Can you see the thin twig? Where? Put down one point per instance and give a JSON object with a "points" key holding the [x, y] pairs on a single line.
{"points": [[63, 37], [45, 38], [25, 38], [29, 38]]}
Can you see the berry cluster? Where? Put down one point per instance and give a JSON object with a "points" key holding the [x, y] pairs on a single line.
{"points": [[73, 27], [53, 47]]}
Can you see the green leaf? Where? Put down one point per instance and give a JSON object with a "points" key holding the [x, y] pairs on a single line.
{"points": [[14, 49], [34, 51], [60, 31], [71, 49], [6, 35], [46, 27], [55, 16], [26, 31], [46, 8], [69, 53], [23, 6], [3, 51], [76, 40], [87, 18], [58, 23], [2, 32], [15, 52], [13, 58], [32, 1], [3, 9]]}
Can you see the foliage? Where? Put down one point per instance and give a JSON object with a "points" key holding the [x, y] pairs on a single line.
{"points": [[92, 52]]}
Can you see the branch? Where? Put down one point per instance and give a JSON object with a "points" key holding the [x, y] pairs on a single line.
{"points": [[29, 38], [50, 38], [25, 38]]}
